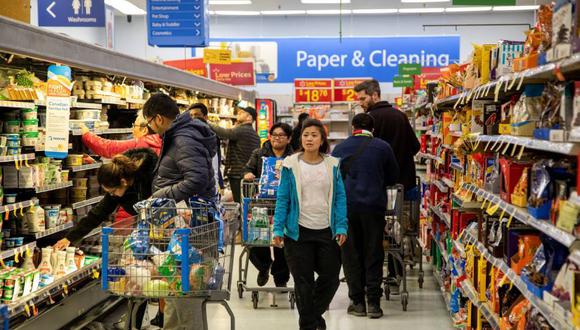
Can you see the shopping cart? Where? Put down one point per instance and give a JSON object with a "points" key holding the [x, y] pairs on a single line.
{"points": [[172, 253], [413, 253], [258, 215]]}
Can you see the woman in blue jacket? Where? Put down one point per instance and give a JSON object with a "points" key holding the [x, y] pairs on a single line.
{"points": [[310, 222]]}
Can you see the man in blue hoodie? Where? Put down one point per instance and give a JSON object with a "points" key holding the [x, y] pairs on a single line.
{"points": [[184, 170], [368, 166]]}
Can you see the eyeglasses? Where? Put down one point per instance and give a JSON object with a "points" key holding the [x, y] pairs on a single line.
{"points": [[278, 136], [140, 125], [149, 122]]}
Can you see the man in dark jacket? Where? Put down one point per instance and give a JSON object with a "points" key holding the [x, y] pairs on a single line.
{"points": [[243, 139], [185, 167], [368, 166], [278, 146], [393, 126]]}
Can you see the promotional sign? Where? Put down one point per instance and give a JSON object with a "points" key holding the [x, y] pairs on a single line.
{"points": [[237, 73], [427, 75], [344, 89], [217, 56], [192, 65], [72, 13], [181, 23], [409, 69], [266, 109], [402, 81], [313, 91], [58, 91], [284, 59]]}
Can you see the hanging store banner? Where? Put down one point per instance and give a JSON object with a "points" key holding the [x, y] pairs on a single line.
{"points": [[313, 91], [409, 69], [58, 91], [72, 13], [192, 65], [402, 81], [236, 73], [344, 89], [181, 23], [282, 60]]}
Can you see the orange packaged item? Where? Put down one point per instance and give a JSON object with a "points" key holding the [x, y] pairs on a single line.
{"points": [[527, 246]]}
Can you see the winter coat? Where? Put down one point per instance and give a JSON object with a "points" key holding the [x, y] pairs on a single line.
{"points": [[392, 126], [255, 163], [109, 148], [138, 191], [287, 214], [243, 139], [185, 166], [369, 174]]}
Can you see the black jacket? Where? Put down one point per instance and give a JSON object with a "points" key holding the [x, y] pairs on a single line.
{"points": [[254, 165], [296, 133], [393, 126], [138, 191], [242, 140], [185, 166]]}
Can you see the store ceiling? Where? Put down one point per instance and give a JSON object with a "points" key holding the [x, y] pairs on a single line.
{"points": [[269, 5]]}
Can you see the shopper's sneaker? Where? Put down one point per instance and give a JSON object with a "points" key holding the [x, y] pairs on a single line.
{"points": [[375, 311], [263, 277], [321, 323], [157, 320], [357, 309]]}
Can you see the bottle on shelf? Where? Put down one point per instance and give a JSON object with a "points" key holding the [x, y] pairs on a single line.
{"points": [[71, 266], [35, 218], [60, 268], [45, 266], [28, 263]]}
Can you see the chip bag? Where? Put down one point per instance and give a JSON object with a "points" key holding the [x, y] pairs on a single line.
{"points": [[270, 179]]}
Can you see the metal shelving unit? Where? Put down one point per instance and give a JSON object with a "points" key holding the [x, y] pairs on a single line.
{"points": [[16, 158], [17, 250], [87, 202], [565, 148], [16, 104], [55, 186], [54, 230], [484, 307], [15, 206], [87, 167], [443, 216]]}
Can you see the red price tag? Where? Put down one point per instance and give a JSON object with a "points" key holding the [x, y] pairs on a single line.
{"points": [[344, 89], [313, 91]]}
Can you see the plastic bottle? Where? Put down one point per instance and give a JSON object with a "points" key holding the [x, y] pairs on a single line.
{"points": [[45, 266], [60, 268], [71, 266], [35, 218], [28, 263]]}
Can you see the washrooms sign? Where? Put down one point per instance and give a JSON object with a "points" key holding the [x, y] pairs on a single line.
{"points": [[72, 13]]}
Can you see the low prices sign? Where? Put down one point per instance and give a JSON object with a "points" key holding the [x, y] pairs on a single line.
{"points": [[192, 65], [235, 73], [344, 89], [427, 75], [313, 91]]}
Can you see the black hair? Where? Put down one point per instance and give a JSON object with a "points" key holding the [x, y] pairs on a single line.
{"points": [[201, 107], [310, 122], [302, 117], [369, 86], [363, 121], [160, 104], [285, 127]]}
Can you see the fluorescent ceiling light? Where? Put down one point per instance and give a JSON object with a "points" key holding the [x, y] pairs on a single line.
{"points": [[237, 13], [515, 8], [466, 9], [423, 1], [311, 2], [421, 10], [374, 11], [230, 2], [328, 12], [283, 12], [125, 7]]}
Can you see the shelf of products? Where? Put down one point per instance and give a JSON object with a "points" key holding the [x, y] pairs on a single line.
{"points": [[56, 186], [15, 206], [86, 167], [16, 158], [444, 217], [16, 104], [54, 230], [486, 311], [499, 141], [19, 250], [87, 202]]}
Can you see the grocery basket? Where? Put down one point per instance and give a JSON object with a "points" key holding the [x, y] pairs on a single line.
{"points": [[257, 231], [172, 253]]}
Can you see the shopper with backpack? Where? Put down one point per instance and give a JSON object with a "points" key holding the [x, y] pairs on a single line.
{"points": [[368, 166]]}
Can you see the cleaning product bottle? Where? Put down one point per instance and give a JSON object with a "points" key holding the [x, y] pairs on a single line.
{"points": [[45, 266], [60, 268], [71, 266]]}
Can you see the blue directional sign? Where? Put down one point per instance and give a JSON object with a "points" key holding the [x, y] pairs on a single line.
{"points": [[72, 13], [177, 23]]}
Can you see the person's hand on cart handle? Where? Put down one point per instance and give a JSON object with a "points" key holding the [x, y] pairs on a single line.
{"points": [[340, 239], [61, 245], [279, 241], [249, 177]]}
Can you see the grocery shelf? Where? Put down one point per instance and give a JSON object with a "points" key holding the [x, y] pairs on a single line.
{"points": [[54, 230], [447, 146], [15, 206], [448, 182], [443, 216], [117, 131], [87, 167], [464, 204], [181, 102], [542, 306], [135, 101], [39, 43], [565, 148], [14, 158], [457, 167], [429, 156], [13, 251], [441, 186], [459, 247], [86, 105], [484, 307], [523, 216], [445, 294], [16, 104], [87, 202], [55, 186]]}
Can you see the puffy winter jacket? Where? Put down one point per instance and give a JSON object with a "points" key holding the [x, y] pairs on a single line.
{"points": [[139, 190], [185, 167], [254, 165], [109, 148], [242, 140]]}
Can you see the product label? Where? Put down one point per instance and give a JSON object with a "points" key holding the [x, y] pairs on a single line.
{"points": [[59, 88], [313, 91]]}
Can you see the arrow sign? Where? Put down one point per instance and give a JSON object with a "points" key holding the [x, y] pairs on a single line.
{"points": [[183, 24], [71, 13], [49, 9]]}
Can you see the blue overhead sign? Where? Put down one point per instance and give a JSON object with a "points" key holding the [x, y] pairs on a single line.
{"points": [[177, 23], [72, 13], [281, 60]]}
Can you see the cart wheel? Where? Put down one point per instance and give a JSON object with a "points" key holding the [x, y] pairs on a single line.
{"points": [[255, 299], [387, 292], [240, 290], [421, 280], [292, 299], [405, 300]]}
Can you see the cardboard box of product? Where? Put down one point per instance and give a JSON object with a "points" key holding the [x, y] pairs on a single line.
{"points": [[562, 28], [503, 56], [478, 115]]}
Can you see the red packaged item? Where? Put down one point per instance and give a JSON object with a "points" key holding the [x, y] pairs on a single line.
{"points": [[511, 171]]}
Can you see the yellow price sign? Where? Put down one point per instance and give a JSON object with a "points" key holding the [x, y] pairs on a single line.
{"points": [[217, 56]]}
